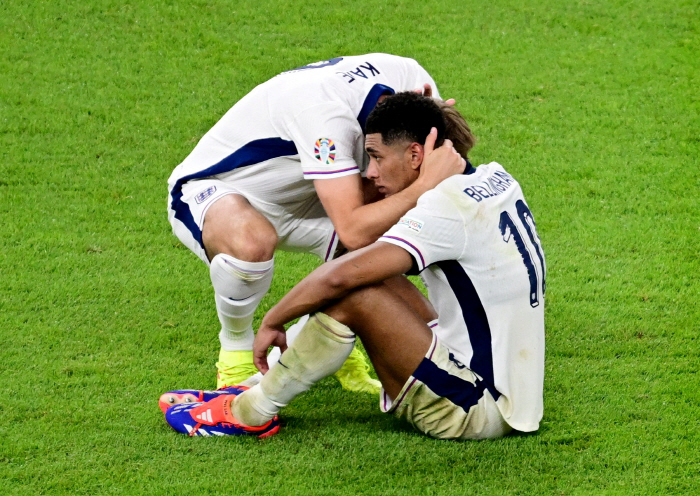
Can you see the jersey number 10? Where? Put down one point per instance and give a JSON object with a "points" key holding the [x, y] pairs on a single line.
{"points": [[509, 230]]}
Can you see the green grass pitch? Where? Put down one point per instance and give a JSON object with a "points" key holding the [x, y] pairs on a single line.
{"points": [[593, 105]]}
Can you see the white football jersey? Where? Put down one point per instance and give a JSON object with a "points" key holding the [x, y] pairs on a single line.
{"points": [[486, 278], [307, 123]]}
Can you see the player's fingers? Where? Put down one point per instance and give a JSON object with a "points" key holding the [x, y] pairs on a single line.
{"points": [[426, 90], [281, 343], [430, 140], [280, 339], [456, 153], [462, 162], [260, 361], [260, 355], [450, 102]]}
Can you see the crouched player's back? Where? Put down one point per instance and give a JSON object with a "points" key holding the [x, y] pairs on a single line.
{"points": [[290, 115]]}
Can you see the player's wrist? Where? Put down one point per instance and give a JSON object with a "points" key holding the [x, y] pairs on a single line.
{"points": [[269, 322], [421, 185]]}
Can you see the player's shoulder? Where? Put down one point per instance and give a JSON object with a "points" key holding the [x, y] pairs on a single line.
{"points": [[490, 182], [493, 172], [386, 57], [396, 64], [442, 199], [347, 72], [343, 85], [476, 175], [377, 56], [480, 182]]}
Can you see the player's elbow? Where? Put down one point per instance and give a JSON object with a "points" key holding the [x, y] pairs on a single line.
{"points": [[338, 281], [353, 239]]}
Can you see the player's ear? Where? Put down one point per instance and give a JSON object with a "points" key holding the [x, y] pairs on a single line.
{"points": [[417, 155]]}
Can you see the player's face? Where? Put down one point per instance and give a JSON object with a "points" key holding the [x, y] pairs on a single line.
{"points": [[391, 167]]}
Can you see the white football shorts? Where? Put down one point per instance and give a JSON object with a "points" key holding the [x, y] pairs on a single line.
{"points": [[444, 399], [301, 227]]}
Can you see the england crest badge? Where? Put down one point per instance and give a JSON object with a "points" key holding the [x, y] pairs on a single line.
{"points": [[205, 194]]}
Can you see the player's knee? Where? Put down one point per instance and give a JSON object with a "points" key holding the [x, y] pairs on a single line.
{"points": [[352, 307], [256, 247], [233, 227], [339, 312], [250, 244]]}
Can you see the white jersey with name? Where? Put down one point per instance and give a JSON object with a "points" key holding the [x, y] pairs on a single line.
{"points": [[486, 278], [304, 124]]}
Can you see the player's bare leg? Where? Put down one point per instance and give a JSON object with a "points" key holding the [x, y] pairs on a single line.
{"points": [[348, 374], [395, 336], [408, 292], [240, 243]]}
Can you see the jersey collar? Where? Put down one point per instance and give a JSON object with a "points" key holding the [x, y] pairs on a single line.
{"points": [[371, 101], [469, 169]]}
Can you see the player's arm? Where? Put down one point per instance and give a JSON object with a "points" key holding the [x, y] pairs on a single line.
{"points": [[370, 192], [323, 286], [358, 224]]}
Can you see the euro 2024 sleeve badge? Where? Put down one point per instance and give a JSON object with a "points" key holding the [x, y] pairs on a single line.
{"points": [[325, 150]]}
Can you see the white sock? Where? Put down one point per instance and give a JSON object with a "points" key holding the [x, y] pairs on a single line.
{"points": [[292, 333], [275, 354], [238, 288], [320, 349]]}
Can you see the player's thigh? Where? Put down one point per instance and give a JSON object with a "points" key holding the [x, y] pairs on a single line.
{"points": [[234, 227], [405, 289]]}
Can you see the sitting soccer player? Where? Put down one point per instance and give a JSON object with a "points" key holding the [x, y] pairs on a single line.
{"points": [[479, 373]]}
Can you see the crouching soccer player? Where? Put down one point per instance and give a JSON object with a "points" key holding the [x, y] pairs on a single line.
{"points": [[479, 373], [281, 170]]}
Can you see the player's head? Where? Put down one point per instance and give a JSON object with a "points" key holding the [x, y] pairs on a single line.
{"points": [[396, 132], [406, 117]]}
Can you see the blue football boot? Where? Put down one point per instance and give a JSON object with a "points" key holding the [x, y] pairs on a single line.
{"points": [[214, 418]]}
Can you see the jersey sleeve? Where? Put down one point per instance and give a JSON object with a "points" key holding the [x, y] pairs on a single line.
{"points": [[431, 232], [326, 136]]}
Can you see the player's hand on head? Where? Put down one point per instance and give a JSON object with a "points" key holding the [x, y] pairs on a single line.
{"points": [[267, 336], [427, 90], [439, 163]]}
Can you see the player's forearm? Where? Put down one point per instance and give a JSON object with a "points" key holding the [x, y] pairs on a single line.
{"points": [[334, 280], [368, 223], [313, 293]]}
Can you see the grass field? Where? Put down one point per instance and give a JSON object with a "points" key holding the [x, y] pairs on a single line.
{"points": [[593, 105]]}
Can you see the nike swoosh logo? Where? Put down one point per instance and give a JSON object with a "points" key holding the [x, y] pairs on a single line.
{"points": [[242, 299]]}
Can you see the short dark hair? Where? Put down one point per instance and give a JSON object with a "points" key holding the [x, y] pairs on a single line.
{"points": [[406, 116]]}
